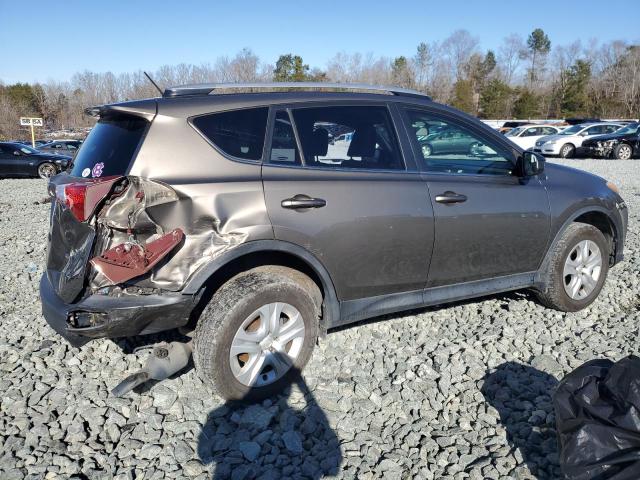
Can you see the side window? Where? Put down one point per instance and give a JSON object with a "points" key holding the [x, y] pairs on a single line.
{"points": [[348, 137], [531, 132], [449, 147], [611, 128], [239, 133], [549, 131], [595, 130], [284, 149]]}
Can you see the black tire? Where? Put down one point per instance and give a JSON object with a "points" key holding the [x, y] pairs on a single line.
{"points": [[567, 150], [551, 291], [47, 170], [231, 305], [623, 151]]}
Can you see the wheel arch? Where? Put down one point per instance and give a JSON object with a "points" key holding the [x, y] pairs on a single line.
{"points": [[252, 254], [594, 215]]}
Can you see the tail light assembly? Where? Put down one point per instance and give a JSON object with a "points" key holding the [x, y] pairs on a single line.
{"points": [[82, 197]]}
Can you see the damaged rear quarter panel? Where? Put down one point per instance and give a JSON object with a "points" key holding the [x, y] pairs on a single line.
{"points": [[218, 202]]}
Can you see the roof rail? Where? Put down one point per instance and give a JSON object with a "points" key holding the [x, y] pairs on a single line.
{"points": [[211, 88]]}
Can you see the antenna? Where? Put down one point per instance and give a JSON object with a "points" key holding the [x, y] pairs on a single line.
{"points": [[154, 83]]}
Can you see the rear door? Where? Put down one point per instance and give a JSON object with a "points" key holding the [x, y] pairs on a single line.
{"points": [[488, 222], [356, 204]]}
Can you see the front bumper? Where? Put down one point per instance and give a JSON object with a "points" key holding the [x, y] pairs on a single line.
{"points": [[104, 316], [547, 149]]}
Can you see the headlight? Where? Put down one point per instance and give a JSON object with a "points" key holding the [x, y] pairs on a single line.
{"points": [[550, 142], [613, 188]]}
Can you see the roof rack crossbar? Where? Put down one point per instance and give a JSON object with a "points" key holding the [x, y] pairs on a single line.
{"points": [[210, 88]]}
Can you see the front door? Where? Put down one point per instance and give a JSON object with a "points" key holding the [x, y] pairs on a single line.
{"points": [[338, 185], [488, 221]]}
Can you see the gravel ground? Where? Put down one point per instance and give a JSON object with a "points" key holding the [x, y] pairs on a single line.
{"points": [[461, 391]]}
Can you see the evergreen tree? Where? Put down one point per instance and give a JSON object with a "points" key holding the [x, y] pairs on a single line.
{"points": [[539, 45], [290, 68], [575, 98], [495, 99]]}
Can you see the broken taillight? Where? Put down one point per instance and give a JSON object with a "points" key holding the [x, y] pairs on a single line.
{"points": [[82, 197]]}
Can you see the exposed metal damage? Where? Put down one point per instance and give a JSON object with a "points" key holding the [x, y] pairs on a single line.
{"points": [[148, 218], [125, 242]]}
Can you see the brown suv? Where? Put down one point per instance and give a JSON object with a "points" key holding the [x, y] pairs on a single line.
{"points": [[259, 218]]}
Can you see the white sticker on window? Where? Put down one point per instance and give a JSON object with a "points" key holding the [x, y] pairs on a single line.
{"points": [[86, 172]]}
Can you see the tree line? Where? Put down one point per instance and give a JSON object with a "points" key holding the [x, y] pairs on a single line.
{"points": [[523, 78]]}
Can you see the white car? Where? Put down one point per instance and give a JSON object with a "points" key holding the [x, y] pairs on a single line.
{"points": [[526, 136], [569, 141]]}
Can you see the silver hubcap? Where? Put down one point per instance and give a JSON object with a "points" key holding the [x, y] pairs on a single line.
{"points": [[267, 344], [624, 153], [46, 170], [566, 150], [582, 270]]}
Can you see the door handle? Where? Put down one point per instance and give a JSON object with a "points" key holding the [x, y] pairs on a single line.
{"points": [[450, 197], [302, 201]]}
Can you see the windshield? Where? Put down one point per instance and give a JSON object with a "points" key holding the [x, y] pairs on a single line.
{"points": [[629, 129], [28, 150], [514, 132], [571, 130]]}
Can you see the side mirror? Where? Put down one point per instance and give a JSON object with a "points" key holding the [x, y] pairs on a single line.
{"points": [[530, 164]]}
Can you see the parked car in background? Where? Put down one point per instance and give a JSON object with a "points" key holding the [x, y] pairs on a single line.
{"points": [[525, 137], [445, 139], [18, 160], [228, 214], [568, 142], [578, 121], [506, 126], [622, 144], [64, 147]]}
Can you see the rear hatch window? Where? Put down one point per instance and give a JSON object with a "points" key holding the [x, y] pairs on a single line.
{"points": [[110, 147]]}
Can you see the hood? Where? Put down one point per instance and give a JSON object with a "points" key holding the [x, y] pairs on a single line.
{"points": [[556, 168], [555, 137]]}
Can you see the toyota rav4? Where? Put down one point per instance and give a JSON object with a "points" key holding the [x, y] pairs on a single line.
{"points": [[226, 210]]}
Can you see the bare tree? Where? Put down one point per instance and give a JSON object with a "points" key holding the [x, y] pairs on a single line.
{"points": [[510, 54]]}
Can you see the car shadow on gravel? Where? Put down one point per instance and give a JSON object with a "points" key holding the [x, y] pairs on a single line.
{"points": [[288, 436], [522, 395]]}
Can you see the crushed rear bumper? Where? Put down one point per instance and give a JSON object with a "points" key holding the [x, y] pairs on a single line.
{"points": [[104, 316]]}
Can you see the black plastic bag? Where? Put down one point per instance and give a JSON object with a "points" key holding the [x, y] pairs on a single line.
{"points": [[597, 410]]}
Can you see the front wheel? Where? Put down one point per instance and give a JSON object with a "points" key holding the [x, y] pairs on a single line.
{"points": [[623, 151], [577, 269], [47, 170], [257, 331], [567, 150]]}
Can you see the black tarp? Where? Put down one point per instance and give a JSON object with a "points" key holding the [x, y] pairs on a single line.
{"points": [[597, 410]]}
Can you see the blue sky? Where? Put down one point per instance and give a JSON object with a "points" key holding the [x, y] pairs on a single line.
{"points": [[63, 37]]}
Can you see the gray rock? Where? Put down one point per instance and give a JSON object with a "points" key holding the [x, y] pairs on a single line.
{"points": [[292, 442], [250, 450]]}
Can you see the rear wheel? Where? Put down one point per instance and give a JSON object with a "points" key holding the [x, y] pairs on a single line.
{"points": [[567, 150], [257, 331], [623, 151], [46, 170], [577, 269]]}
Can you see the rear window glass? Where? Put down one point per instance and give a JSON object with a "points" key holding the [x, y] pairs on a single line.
{"points": [[109, 148], [239, 133]]}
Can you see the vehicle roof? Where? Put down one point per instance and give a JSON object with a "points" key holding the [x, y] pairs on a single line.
{"points": [[262, 87], [190, 105]]}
